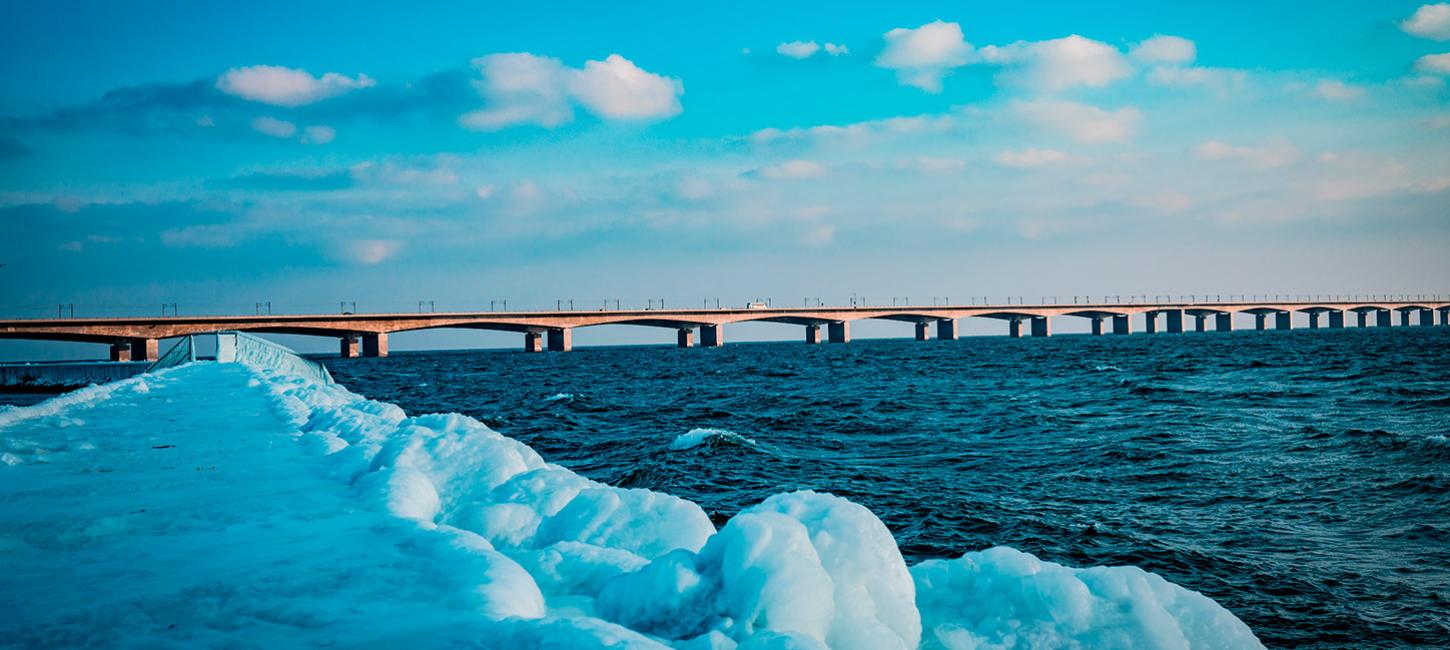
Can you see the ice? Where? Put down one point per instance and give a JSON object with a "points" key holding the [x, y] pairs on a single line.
{"points": [[224, 504], [696, 437], [1004, 598]]}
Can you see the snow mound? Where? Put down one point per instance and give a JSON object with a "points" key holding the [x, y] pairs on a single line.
{"points": [[1004, 598], [696, 437]]}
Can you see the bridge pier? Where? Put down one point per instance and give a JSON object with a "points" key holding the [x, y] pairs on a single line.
{"points": [[1097, 325], [1041, 326], [1445, 316], [1313, 320], [349, 347], [1223, 322], [121, 351], [1200, 322], [923, 331], [946, 329], [1284, 320], [1150, 322], [1122, 324], [1336, 319], [839, 332], [685, 337], [813, 334], [1427, 317], [712, 336], [1260, 320], [1175, 320], [375, 345], [1404, 318], [143, 349], [533, 342], [1362, 318], [1382, 318], [1014, 327], [561, 340]]}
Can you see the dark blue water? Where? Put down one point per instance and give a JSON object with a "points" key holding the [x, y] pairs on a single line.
{"points": [[1301, 479]]}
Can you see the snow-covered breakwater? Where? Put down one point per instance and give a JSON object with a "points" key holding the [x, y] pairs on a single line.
{"points": [[228, 503]]}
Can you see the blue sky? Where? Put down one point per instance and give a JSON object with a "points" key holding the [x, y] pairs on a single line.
{"points": [[215, 156]]}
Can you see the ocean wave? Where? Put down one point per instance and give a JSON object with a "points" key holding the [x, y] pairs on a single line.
{"points": [[706, 436]]}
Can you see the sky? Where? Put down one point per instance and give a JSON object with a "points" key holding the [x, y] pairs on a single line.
{"points": [[218, 156]]}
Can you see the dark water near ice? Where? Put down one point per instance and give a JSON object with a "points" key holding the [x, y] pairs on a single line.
{"points": [[1301, 479]]}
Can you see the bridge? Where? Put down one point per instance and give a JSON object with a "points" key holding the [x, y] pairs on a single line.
{"points": [[137, 338]]}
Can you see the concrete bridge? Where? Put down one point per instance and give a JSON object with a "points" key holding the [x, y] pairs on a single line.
{"points": [[136, 338]]}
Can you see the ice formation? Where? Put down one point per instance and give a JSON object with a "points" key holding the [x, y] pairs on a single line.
{"points": [[368, 526]]}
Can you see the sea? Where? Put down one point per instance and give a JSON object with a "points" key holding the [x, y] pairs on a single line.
{"points": [[1299, 478]]}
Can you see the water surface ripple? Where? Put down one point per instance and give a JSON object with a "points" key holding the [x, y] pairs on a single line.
{"points": [[1301, 479]]}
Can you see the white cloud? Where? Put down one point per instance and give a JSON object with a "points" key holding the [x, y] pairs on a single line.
{"points": [[936, 166], [1030, 158], [1336, 90], [274, 127], [1434, 64], [1083, 123], [820, 235], [617, 89], [791, 169], [923, 55], [1165, 49], [1275, 154], [281, 86], [523, 88], [1222, 80], [858, 130], [320, 134], [1060, 63], [1429, 21], [836, 50], [370, 251], [1164, 202], [798, 49]]}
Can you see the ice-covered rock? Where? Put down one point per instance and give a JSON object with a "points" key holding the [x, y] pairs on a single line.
{"points": [[1004, 598]]}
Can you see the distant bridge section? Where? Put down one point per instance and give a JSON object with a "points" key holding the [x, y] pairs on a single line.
{"points": [[136, 338]]}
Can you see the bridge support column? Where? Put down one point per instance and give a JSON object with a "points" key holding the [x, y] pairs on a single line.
{"points": [[533, 342], [1200, 322], [1382, 318], [349, 347], [923, 331], [839, 332], [1284, 320], [144, 349], [1122, 324], [1336, 320], [1097, 325], [1223, 322], [1404, 318], [712, 336], [685, 337], [946, 329], [1427, 317], [1445, 316], [1313, 320], [1014, 328], [561, 340], [1259, 321], [1041, 326], [375, 345], [813, 334], [1150, 322], [1175, 320], [120, 351], [1362, 317]]}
